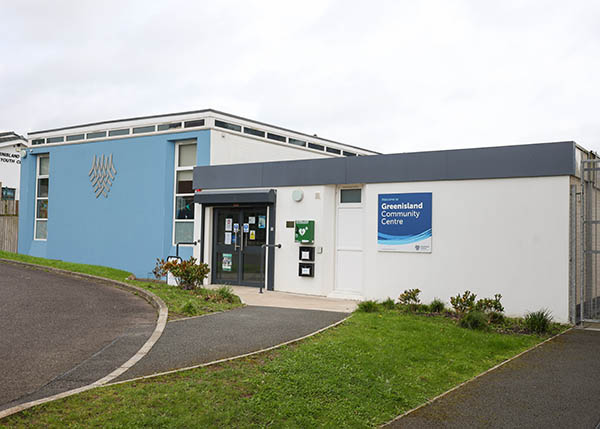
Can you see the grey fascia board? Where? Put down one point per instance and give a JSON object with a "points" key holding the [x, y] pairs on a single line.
{"points": [[315, 172], [534, 160], [229, 197], [250, 173]]}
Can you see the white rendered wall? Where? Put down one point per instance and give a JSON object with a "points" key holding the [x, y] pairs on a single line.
{"points": [[318, 204], [228, 148], [10, 167], [507, 236]]}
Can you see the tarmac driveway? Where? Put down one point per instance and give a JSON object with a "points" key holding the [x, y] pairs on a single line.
{"points": [[199, 340], [59, 332], [556, 385]]}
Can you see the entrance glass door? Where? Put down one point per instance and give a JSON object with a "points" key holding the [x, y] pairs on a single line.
{"points": [[239, 233]]}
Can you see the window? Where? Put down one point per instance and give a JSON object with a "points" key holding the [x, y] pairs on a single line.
{"points": [[196, 123], [38, 141], [96, 135], [122, 132], [75, 137], [147, 129], [296, 142], [333, 150], [316, 146], [350, 196], [8, 193], [228, 126], [276, 137], [55, 139], [41, 198], [254, 132], [172, 126], [183, 217], [346, 153]]}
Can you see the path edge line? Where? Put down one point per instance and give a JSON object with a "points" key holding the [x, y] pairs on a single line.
{"points": [[495, 367], [161, 322]]}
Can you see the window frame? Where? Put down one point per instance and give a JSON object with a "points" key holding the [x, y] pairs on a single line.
{"points": [[352, 204], [39, 176], [177, 169]]}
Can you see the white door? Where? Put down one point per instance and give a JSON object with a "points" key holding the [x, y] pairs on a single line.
{"points": [[349, 244]]}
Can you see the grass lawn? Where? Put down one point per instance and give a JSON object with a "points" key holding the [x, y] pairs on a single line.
{"points": [[181, 303], [359, 374]]}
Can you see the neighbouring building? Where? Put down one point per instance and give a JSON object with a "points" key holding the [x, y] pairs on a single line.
{"points": [[11, 145]]}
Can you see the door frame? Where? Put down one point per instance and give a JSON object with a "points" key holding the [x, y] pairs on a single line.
{"points": [[267, 198], [239, 209], [347, 206]]}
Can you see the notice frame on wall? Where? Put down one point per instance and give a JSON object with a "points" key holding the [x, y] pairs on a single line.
{"points": [[404, 222]]}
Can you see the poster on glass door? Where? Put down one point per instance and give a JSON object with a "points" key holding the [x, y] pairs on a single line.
{"points": [[227, 262], [404, 222]]}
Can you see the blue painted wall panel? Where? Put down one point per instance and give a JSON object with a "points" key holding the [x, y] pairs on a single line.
{"points": [[130, 228]]}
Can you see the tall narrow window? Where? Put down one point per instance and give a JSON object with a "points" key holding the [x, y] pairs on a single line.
{"points": [[41, 198], [183, 224]]}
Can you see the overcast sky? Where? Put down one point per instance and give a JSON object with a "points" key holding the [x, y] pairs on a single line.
{"points": [[393, 76]]}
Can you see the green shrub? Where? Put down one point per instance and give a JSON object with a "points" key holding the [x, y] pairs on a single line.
{"points": [[496, 317], [419, 308], [189, 274], [409, 296], [489, 304], [463, 303], [538, 321], [368, 306], [474, 319], [437, 306], [189, 308], [389, 304], [225, 293]]}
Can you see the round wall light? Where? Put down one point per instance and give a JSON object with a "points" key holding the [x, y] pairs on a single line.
{"points": [[297, 195]]}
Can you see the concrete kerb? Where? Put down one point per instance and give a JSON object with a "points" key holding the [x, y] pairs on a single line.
{"points": [[472, 379], [161, 322]]}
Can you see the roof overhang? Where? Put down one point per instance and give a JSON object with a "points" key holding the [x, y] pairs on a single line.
{"points": [[531, 160], [235, 197]]}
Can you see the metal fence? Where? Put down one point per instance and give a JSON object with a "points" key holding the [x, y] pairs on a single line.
{"points": [[9, 225], [584, 252]]}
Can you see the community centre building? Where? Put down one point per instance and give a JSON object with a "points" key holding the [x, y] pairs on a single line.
{"points": [[119, 193], [266, 206], [501, 220]]}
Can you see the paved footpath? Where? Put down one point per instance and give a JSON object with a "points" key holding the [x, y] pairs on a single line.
{"points": [[189, 342], [60, 332], [556, 385]]}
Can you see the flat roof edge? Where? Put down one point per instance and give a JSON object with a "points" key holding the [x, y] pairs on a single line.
{"points": [[191, 112], [528, 160]]}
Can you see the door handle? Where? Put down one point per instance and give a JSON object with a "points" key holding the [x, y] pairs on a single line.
{"points": [[236, 245]]}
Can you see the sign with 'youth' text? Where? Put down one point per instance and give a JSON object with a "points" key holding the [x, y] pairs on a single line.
{"points": [[404, 222]]}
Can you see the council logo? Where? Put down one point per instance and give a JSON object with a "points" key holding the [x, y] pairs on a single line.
{"points": [[102, 174]]}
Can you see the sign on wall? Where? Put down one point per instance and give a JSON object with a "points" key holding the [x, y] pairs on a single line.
{"points": [[10, 158], [404, 222]]}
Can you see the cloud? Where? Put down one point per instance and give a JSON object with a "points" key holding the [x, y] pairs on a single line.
{"points": [[395, 77]]}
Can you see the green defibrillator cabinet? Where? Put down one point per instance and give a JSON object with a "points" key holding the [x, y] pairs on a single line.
{"points": [[304, 231]]}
